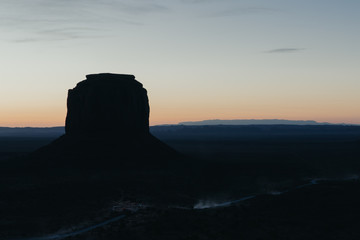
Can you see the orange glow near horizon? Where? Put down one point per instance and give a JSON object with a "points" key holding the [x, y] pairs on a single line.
{"points": [[170, 117], [197, 61], [173, 112], [33, 118]]}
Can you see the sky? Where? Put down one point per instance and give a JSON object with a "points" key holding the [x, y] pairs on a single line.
{"points": [[198, 59]]}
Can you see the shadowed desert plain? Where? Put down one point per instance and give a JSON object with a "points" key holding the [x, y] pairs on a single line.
{"points": [[108, 175]]}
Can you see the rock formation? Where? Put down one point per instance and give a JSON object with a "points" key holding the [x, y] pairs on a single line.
{"points": [[106, 154], [107, 126], [107, 104]]}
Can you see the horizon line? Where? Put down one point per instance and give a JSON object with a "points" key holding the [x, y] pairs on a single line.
{"points": [[215, 119]]}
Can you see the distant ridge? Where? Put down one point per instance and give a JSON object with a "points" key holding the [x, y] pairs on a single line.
{"points": [[58, 131], [49, 132], [255, 122]]}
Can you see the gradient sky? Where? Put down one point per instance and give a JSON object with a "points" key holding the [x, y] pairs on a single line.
{"points": [[198, 59]]}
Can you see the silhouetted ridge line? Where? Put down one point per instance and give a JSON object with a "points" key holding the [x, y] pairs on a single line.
{"points": [[253, 122], [111, 78]]}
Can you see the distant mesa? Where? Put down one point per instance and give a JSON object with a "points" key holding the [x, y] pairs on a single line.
{"points": [[253, 122]]}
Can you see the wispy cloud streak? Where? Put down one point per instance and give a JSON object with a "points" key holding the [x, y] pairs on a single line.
{"points": [[285, 50], [60, 20], [242, 11]]}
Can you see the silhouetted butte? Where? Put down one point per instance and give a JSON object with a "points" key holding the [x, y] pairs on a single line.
{"points": [[106, 154], [108, 104], [107, 126]]}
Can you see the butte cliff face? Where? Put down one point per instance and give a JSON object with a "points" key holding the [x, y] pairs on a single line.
{"points": [[107, 125], [107, 104], [106, 154]]}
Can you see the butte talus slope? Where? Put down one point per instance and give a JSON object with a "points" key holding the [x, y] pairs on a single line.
{"points": [[107, 124], [107, 140], [107, 154], [107, 151]]}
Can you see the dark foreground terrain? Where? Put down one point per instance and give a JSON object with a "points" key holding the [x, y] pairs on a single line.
{"points": [[272, 168]]}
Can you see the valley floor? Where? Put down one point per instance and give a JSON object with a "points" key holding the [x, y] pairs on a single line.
{"points": [[213, 170]]}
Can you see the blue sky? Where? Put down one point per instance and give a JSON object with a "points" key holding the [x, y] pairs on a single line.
{"points": [[198, 59]]}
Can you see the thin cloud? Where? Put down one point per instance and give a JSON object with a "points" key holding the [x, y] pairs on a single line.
{"points": [[57, 35], [228, 8], [285, 50], [70, 33], [141, 8], [53, 20], [242, 11], [197, 1]]}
